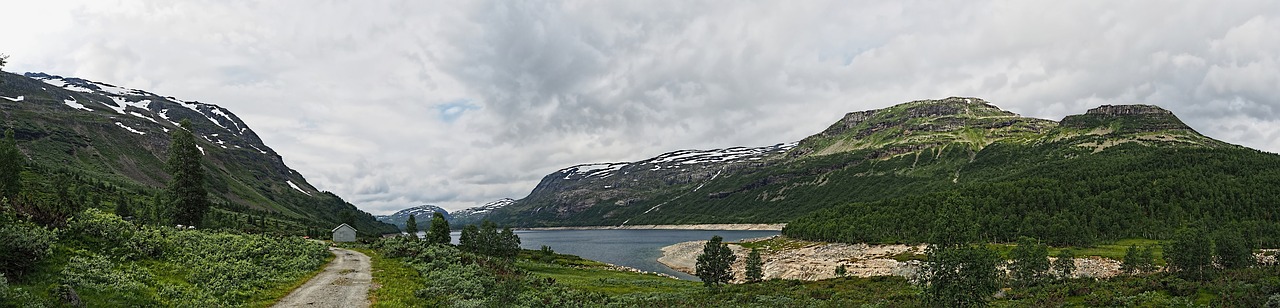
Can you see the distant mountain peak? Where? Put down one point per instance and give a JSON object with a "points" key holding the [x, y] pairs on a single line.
{"points": [[476, 214], [422, 214]]}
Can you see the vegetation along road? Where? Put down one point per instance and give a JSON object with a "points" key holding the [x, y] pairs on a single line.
{"points": [[344, 283]]}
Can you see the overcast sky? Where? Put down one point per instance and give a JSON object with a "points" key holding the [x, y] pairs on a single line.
{"points": [[392, 104]]}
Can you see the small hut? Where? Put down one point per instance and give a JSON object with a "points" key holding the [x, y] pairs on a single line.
{"points": [[344, 233]]}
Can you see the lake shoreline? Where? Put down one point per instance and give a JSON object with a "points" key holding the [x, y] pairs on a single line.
{"points": [[706, 227]]}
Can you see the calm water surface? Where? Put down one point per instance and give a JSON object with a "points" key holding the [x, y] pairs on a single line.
{"points": [[632, 248]]}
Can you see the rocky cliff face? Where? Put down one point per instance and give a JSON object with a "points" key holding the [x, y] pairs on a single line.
{"points": [[1127, 118]]}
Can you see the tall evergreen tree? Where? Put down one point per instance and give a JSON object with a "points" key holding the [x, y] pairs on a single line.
{"points": [[439, 230], [411, 227], [1030, 262], [187, 194], [755, 266], [713, 265], [11, 162]]}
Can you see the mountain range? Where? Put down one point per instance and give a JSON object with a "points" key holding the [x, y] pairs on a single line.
{"points": [[118, 137], [909, 149], [422, 214]]}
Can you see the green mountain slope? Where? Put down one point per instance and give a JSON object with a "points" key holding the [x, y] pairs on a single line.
{"points": [[108, 146], [1098, 166]]}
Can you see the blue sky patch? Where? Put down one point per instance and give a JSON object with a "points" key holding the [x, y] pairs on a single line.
{"points": [[450, 111]]}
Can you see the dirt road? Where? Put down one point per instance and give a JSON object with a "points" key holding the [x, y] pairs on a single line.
{"points": [[344, 283]]}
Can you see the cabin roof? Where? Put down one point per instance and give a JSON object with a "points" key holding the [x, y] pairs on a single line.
{"points": [[343, 225]]}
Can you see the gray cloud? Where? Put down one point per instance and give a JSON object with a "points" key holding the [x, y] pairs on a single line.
{"points": [[394, 104]]}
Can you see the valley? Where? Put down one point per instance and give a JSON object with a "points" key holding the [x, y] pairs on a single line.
{"points": [[874, 202]]}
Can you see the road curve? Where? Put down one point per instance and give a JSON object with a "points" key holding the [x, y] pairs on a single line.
{"points": [[344, 283]]}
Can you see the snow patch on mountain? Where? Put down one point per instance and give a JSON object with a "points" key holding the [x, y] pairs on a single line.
{"points": [[422, 214], [124, 98], [130, 129], [14, 99], [73, 104], [484, 209], [677, 160], [589, 170], [295, 186]]}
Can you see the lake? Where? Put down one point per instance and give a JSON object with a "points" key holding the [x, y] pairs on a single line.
{"points": [[639, 249]]}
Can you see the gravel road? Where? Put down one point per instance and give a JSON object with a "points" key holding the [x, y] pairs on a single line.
{"points": [[344, 283]]}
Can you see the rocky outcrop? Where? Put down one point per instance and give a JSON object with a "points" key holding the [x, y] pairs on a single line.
{"points": [[1127, 119], [1120, 110]]}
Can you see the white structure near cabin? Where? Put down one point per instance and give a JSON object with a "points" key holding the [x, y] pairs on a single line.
{"points": [[344, 233]]}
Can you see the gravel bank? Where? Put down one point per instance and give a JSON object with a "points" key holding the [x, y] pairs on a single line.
{"points": [[818, 260]]}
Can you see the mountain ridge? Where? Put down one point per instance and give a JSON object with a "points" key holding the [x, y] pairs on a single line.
{"points": [[931, 143], [120, 135], [422, 214]]}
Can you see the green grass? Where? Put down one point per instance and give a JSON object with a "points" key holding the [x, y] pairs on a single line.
{"points": [[396, 282], [1112, 250], [602, 280], [1116, 250]]}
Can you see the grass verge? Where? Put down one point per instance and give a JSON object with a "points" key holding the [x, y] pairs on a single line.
{"points": [[396, 282], [269, 297]]}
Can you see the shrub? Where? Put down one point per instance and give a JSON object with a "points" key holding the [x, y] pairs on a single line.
{"points": [[101, 228], [23, 245]]}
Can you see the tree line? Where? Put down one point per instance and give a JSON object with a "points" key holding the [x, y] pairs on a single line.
{"points": [[1124, 192]]}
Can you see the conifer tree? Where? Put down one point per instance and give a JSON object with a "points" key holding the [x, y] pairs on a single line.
{"points": [[439, 230], [187, 194], [122, 208], [713, 265], [755, 266], [411, 227], [11, 162]]}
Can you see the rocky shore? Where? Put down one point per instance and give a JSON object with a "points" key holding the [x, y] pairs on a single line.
{"points": [[804, 260]]}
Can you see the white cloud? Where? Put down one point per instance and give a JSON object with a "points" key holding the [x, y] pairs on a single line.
{"points": [[394, 104]]}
